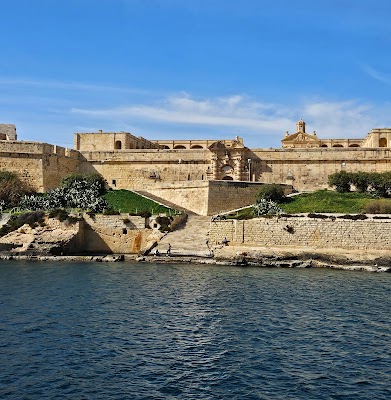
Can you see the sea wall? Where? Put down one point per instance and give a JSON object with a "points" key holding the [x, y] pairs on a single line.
{"points": [[304, 232], [106, 234]]}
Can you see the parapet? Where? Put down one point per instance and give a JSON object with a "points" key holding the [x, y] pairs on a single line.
{"points": [[8, 132]]}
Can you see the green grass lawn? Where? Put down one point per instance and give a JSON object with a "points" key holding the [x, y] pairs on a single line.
{"points": [[325, 201], [128, 202]]}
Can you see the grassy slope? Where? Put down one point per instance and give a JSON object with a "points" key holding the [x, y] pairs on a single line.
{"points": [[129, 202], [327, 201], [323, 201]]}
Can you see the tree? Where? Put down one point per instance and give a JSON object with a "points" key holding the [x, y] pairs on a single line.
{"points": [[341, 180], [272, 192]]}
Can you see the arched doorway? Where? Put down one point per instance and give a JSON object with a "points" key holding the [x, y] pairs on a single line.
{"points": [[118, 145], [228, 178], [383, 142], [179, 147], [196, 146]]}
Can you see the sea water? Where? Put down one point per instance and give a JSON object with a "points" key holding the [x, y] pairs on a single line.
{"points": [[154, 331]]}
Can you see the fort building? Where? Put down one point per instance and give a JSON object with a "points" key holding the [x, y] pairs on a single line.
{"points": [[201, 175]]}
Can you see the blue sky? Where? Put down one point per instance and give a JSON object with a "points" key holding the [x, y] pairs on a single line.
{"points": [[202, 69]]}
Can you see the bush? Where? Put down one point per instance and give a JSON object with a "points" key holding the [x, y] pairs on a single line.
{"points": [[16, 221], [272, 192], [76, 194], [353, 217], [59, 213], [361, 181], [86, 180], [341, 180], [266, 207], [12, 189], [380, 206]]}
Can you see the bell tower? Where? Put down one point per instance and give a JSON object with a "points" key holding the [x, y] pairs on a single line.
{"points": [[300, 126]]}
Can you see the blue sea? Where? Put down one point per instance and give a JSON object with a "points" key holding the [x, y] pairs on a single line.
{"points": [[156, 331]]}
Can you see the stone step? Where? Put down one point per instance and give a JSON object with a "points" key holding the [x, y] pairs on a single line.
{"points": [[189, 239]]}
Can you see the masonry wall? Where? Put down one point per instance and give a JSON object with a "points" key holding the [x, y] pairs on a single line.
{"points": [[39, 164], [139, 169], [308, 169], [231, 195], [123, 234], [370, 234]]}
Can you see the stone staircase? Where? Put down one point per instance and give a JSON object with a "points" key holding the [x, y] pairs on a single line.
{"points": [[163, 202], [189, 240]]}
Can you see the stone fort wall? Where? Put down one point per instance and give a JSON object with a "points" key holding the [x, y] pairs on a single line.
{"points": [[370, 234], [209, 197], [39, 164]]}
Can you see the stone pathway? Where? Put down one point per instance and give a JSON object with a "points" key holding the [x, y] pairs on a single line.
{"points": [[189, 240]]}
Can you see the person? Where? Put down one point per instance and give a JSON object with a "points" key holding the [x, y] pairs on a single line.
{"points": [[225, 242], [156, 252], [169, 250]]}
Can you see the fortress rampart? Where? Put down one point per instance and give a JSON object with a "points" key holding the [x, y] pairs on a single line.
{"points": [[179, 170], [304, 232], [40, 164]]}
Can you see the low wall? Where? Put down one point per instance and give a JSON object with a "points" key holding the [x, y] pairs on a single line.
{"points": [[231, 195], [210, 197], [370, 234], [104, 234]]}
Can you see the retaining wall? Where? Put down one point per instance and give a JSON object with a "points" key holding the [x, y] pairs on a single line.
{"points": [[370, 234]]}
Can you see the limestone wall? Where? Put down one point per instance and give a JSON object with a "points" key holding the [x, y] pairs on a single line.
{"points": [[139, 169], [210, 197], [39, 164], [7, 132], [308, 169], [231, 195], [103, 141], [192, 196], [370, 234], [114, 234]]}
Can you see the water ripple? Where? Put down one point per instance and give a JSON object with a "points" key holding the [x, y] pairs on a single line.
{"points": [[138, 331]]}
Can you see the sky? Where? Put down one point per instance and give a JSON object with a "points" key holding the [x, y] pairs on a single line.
{"points": [[195, 69]]}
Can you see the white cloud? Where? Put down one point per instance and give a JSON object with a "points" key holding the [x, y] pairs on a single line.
{"points": [[236, 111], [340, 119], [75, 86], [377, 75]]}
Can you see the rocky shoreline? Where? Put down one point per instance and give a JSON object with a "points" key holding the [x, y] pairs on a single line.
{"points": [[243, 259]]}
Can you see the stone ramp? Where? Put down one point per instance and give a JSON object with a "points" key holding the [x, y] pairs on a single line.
{"points": [[189, 240], [163, 202]]}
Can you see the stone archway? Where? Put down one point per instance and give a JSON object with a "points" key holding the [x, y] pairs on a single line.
{"points": [[228, 178], [382, 142], [118, 145]]}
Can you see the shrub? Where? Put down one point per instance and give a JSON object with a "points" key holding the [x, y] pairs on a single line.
{"points": [[266, 207], [16, 221], [59, 213], [85, 180], [272, 192], [164, 223], [341, 180], [353, 217], [380, 206], [12, 189], [361, 181], [77, 194], [320, 216]]}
